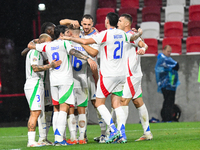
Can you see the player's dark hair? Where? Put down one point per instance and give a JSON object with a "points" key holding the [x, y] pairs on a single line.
{"points": [[113, 18], [59, 29], [128, 17], [87, 16], [45, 26]]}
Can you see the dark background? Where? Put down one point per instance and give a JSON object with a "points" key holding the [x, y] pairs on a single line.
{"points": [[16, 30]]}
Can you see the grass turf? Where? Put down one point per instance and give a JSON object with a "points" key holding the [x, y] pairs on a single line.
{"points": [[170, 136]]}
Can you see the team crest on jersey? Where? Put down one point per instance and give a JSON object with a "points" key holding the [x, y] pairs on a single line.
{"points": [[34, 59]]}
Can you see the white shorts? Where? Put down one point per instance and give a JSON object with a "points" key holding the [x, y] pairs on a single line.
{"points": [[81, 97], [35, 98], [132, 87], [107, 85], [62, 94], [47, 94], [91, 88]]}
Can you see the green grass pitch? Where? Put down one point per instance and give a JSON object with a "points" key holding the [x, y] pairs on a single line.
{"points": [[167, 136]]}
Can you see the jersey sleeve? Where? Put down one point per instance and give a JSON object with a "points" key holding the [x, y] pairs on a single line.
{"points": [[68, 45], [100, 37], [41, 47], [34, 58]]}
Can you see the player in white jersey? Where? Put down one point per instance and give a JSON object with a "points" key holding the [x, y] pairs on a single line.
{"points": [[89, 31], [112, 71], [80, 90], [34, 87], [61, 78], [132, 88]]}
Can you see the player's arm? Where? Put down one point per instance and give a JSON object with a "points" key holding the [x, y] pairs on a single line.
{"points": [[26, 50], [79, 40], [91, 51], [68, 22], [136, 35], [53, 64], [80, 55], [143, 48]]}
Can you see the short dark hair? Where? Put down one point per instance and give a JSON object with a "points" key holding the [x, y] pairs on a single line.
{"points": [[59, 29], [166, 46], [87, 16], [45, 26], [113, 18], [128, 17]]}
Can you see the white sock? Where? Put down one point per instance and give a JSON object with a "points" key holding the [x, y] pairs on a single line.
{"points": [[31, 137], [87, 116], [42, 126], [121, 120], [120, 117], [144, 118], [76, 118], [105, 114], [72, 126], [48, 116], [125, 109], [82, 121], [102, 123], [112, 112], [55, 117], [61, 125]]}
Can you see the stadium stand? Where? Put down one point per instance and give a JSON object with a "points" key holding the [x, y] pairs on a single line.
{"points": [[176, 2], [130, 3], [130, 10], [100, 26], [101, 14], [150, 30], [151, 13], [193, 45], [107, 4], [152, 47], [174, 13], [194, 28], [194, 2], [153, 3], [173, 29], [194, 12]]}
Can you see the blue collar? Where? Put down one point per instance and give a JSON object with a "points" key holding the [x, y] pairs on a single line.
{"points": [[94, 31], [128, 31]]}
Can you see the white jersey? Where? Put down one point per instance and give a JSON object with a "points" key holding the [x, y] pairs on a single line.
{"points": [[32, 78], [95, 46], [79, 68], [58, 49], [133, 59], [112, 52]]}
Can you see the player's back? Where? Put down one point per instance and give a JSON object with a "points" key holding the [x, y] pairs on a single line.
{"points": [[112, 53], [59, 50], [133, 59], [79, 68], [33, 58]]}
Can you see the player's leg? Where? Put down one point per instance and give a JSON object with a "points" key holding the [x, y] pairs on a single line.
{"points": [[144, 118], [66, 98], [72, 125], [120, 119], [34, 98]]}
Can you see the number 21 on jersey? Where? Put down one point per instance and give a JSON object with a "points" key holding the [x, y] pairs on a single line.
{"points": [[119, 50]]}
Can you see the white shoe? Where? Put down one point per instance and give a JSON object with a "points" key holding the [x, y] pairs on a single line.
{"points": [[102, 139], [35, 144], [45, 142], [145, 137]]}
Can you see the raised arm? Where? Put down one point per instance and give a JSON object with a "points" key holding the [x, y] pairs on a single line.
{"points": [[79, 40], [53, 64], [136, 35], [68, 22]]}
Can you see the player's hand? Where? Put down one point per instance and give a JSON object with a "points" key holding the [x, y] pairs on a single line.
{"points": [[55, 63], [75, 24], [134, 30], [141, 51], [92, 63], [65, 38], [140, 31]]}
